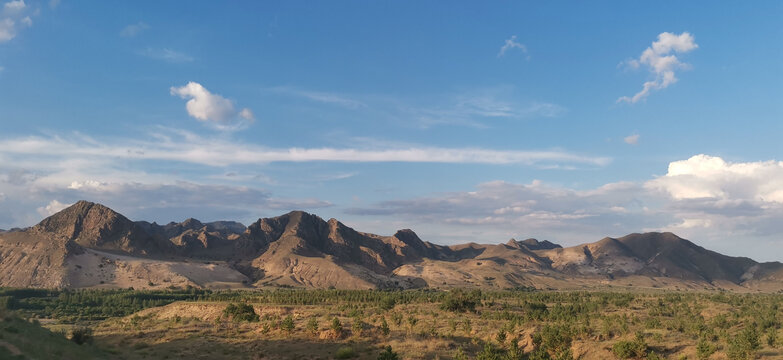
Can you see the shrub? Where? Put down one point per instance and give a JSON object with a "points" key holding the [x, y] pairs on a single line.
{"points": [[458, 301], [631, 349], [387, 303], [357, 327], [385, 327], [554, 340], [345, 352], [387, 354], [337, 326], [772, 337], [288, 324], [312, 325], [81, 335], [744, 345], [501, 336], [704, 349], [241, 312], [489, 352]]}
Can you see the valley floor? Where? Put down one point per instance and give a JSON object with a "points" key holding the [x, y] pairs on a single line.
{"points": [[422, 324]]}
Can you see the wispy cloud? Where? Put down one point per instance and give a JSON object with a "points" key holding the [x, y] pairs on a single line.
{"points": [[511, 43], [478, 108], [322, 97], [167, 55], [187, 147], [661, 61], [631, 139], [134, 29]]}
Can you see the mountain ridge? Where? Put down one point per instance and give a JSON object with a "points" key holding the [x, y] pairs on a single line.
{"points": [[91, 245]]}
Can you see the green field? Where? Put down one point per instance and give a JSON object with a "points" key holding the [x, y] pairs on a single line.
{"points": [[418, 324]]}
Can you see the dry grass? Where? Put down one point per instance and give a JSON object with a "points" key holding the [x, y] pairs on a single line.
{"points": [[196, 330]]}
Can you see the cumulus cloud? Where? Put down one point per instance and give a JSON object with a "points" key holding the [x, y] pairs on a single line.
{"points": [[206, 106], [661, 60], [52, 208], [631, 139], [134, 29], [712, 178], [511, 43]]}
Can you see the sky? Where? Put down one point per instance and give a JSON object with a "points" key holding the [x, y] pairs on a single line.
{"points": [[464, 121]]}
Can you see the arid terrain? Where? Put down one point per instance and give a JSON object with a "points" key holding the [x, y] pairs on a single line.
{"points": [[325, 324], [88, 245], [89, 283]]}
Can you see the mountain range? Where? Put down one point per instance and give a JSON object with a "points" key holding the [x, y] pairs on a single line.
{"points": [[88, 245]]}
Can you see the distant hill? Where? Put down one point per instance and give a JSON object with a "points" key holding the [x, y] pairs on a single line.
{"points": [[90, 245]]}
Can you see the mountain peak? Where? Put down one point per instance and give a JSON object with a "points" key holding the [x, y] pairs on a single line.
{"points": [[533, 244], [96, 226]]}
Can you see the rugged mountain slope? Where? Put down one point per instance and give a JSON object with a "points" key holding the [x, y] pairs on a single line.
{"points": [[98, 227], [90, 245]]}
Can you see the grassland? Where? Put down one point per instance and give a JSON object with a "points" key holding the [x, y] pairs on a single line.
{"points": [[422, 324]]}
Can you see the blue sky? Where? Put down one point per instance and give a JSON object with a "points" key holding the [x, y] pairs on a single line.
{"points": [[460, 120]]}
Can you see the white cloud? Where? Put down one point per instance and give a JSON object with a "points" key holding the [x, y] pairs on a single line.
{"points": [[7, 29], [52, 208], [13, 7], [661, 61], [168, 55], [710, 177], [631, 139], [246, 114], [512, 43], [54, 3], [134, 29], [206, 106], [13, 18]]}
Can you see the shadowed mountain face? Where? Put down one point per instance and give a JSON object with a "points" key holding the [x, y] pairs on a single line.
{"points": [[90, 245]]}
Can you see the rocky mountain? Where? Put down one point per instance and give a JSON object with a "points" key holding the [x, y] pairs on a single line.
{"points": [[90, 245]]}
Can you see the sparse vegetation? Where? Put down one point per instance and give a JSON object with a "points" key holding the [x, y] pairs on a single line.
{"points": [[241, 312], [387, 354], [345, 352], [456, 324], [81, 335]]}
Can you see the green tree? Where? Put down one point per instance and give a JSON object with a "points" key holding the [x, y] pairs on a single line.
{"points": [[385, 327], [312, 325], [81, 335], [704, 349], [625, 349], [387, 354], [288, 324], [337, 326]]}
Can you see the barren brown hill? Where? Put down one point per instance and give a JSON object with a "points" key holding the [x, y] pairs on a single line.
{"points": [[90, 245]]}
